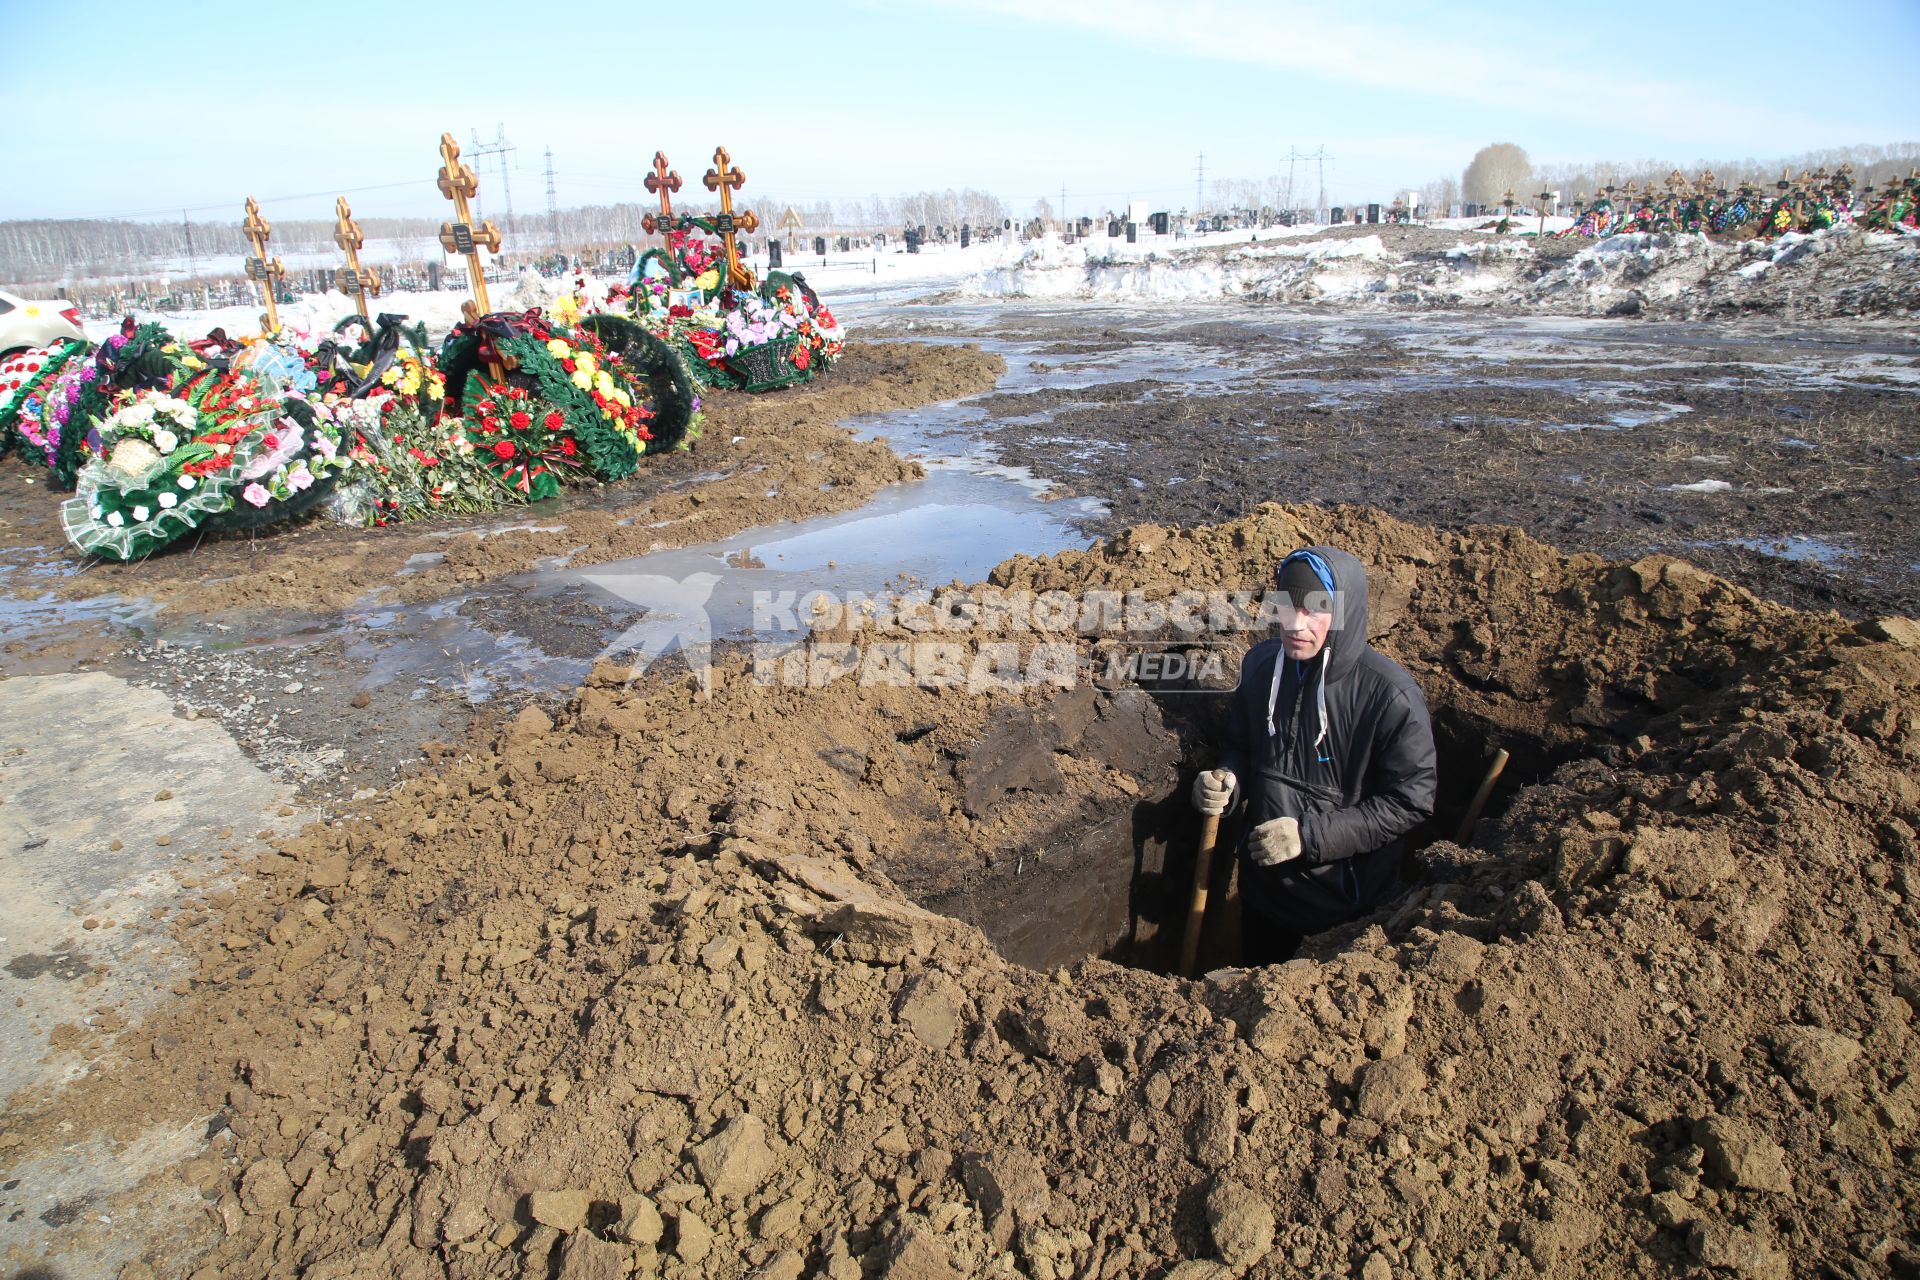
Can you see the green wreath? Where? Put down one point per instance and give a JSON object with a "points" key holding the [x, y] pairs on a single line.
{"points": [[142, 361], [59, 356], [521, 341], [240, 516], [661, 367]]}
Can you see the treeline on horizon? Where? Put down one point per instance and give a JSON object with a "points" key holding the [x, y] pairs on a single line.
{"points": [[51, 249]]}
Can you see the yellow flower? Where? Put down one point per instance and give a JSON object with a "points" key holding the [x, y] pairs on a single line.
{"points": [[623, 397], [582, 379], [603, 382], [557, 349], [586, 361], [707, 279]]}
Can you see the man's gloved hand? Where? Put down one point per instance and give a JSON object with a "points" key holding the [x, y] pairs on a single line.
{"points": [[1274, 842], [1212, 791]]}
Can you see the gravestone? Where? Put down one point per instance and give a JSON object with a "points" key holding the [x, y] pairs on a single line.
{"points": [[1373, 213], [820, 245], [1133, 232], [433, 276], [1338, 214], [1113, 228], [773, 255], [1159, 222]]}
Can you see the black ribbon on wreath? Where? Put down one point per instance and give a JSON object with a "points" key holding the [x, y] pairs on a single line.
{"points": [[501, 326], [386, 345]]}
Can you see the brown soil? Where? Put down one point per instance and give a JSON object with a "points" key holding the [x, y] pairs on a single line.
{"points": [[759, 460], [634, 989]]}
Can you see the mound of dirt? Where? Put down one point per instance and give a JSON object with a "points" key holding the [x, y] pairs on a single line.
{"points": [[634, 989], [759, 460]]}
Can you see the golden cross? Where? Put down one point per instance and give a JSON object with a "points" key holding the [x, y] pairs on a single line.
{"points": [[260, 267], [726, 179], [458, 184], [354, 280], [661, 182]]}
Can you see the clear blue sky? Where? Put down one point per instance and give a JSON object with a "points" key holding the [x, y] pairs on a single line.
{"points": [[141, 109]]}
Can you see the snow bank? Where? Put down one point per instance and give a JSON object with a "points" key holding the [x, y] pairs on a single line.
{"points": [[1841, 272]]}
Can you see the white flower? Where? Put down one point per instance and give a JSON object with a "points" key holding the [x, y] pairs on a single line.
{"points": [[165, 441], [186, 482], [96, 511], [140, 514], [168, 502], [115, 519]]}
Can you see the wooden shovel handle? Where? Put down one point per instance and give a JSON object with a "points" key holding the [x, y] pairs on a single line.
{"points": [[1197, 908]]}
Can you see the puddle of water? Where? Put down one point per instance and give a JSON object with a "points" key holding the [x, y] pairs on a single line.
{"points": [[1796, 547], [957, 524], [1625, 419]]}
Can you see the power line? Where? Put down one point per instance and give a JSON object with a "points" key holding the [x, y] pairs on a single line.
{"points": [[498, 147], [553, 202]]}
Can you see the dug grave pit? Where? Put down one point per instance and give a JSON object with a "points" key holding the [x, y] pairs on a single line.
{"points": [[1064, 877]]}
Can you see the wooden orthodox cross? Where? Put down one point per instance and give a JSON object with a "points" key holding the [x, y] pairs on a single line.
{"points": [[354, 280], [458, 184], [268, 271], [662, 182], [726, 179]]}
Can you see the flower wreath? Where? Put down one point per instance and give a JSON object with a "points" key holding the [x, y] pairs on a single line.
{"points": [[606, 406], [223, 452], [23, 376]]}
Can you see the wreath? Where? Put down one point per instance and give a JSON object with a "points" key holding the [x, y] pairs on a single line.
{"points": [[24, 376], [221, 451], [609, 408]]}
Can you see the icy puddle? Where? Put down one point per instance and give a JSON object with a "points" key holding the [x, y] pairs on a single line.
{"points": [[955, 525]]}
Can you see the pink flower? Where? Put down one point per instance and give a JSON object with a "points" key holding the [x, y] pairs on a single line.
{"points": [[256, 494]]}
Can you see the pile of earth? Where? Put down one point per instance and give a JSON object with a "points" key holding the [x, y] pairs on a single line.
{"points": [[1842, 272], [759, 460], [633, 988]]}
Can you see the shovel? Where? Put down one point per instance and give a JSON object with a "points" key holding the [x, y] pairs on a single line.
{"points": [[1197, 908]]}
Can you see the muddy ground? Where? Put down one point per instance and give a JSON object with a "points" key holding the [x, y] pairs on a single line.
{"points": [[1778, 459]]}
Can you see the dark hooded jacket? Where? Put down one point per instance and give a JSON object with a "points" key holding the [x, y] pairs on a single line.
{"points": [[1342, 743]]}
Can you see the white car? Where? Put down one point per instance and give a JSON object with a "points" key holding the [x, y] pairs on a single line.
{"points": [[25, 324]]}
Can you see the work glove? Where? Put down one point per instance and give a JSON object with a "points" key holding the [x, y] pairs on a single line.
{"points": [[1274, 841], [1212, 791]]}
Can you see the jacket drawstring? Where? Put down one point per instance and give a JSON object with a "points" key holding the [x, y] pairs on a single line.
{"points": [[1320, 701]]}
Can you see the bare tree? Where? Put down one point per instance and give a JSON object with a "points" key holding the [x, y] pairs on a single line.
{"points": [[1493, 171]]}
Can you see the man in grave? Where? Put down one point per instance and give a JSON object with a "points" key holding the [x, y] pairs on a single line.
{"points": [[1329, 743]]}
